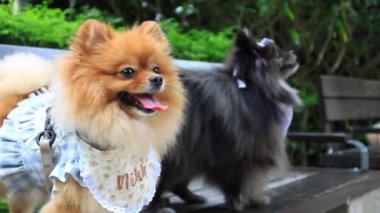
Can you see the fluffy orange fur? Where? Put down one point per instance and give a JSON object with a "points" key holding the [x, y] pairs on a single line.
{"points": [[7, 105], [90, 80], [87, 86]]}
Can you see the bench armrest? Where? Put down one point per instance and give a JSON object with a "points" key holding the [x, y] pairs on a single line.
{"points": [[308, 137], [320, 137]]}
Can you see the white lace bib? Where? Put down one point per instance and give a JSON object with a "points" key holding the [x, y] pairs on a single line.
{"points": [[118, 181]]}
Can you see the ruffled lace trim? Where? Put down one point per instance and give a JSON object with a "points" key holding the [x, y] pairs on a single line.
{"points": [[132, 208], [30, 114], [17, 141]]}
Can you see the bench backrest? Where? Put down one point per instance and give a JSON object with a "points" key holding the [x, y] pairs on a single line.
{"points": [[55, 53], [342, 98], [346, 98]]}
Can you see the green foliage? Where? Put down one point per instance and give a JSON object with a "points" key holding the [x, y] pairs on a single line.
{"points": [[202, 45], [3, 206], [42, 26], [36, 26], [88, 12], [46, 27]]}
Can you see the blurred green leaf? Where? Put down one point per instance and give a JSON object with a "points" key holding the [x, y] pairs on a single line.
{"points": [[196, 44], [289, 13], [265, 7], [342, 31], [3, 206], [296, 37]]}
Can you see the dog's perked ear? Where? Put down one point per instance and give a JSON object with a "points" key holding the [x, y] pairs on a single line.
{"points": [[242, 58], [244, 41], [89, 35], [152, 28]]}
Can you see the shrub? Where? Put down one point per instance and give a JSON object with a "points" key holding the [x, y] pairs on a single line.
{"points": [[46, 27], [202, 45], [36, 26]]}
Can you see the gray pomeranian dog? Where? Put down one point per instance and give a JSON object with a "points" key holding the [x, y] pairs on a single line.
{"points": [[236, 124]]}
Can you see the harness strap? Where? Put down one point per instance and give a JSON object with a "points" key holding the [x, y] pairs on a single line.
{"points": [[47, 162], [45, 140]]}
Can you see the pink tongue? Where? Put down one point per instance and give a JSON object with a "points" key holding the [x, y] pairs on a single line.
{"points": [[150, 102]]}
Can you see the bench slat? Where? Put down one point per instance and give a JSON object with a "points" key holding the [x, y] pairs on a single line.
{"points": [[324, 190], [351, 109], [346, 87]]}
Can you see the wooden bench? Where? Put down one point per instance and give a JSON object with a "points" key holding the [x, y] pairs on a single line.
{"points": [[303, 190], [348, 100]]}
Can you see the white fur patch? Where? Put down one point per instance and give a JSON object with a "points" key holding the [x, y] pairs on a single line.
{"points": [[241, 83], [291, 90], [23, 73]]}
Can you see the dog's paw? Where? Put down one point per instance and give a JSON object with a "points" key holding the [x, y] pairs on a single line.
{"points": [[195, 199], [165, 210], [188, 196], [260, 201], [161, 207], [235, 203], [159, 203]]}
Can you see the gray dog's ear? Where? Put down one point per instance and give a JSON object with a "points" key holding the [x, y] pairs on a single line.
{"points": [[244, 40]]}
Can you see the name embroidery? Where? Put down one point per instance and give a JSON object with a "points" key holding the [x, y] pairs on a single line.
{"points": [[128, 180]]}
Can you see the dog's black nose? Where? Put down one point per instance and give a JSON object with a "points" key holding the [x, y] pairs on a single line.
{"points": [[156, 81]]}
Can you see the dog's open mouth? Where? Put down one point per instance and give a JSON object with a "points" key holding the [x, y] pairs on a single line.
{"points": [[290, 64], [143, 102]]}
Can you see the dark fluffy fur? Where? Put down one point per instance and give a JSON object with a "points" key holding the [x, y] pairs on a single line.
{"points": [[232, 136]]}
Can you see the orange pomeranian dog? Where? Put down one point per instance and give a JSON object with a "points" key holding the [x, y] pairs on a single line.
{"points": [[93, 134]]}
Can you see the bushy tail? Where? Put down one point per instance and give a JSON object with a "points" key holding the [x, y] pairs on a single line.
{"points": [[20, 75], [23, 73]]}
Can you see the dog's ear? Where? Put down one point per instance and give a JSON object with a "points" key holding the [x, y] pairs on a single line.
{"points": [[152, 28], [244, 40], [91, 34]]}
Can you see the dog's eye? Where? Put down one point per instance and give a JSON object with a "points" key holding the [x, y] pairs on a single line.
{"points": [[156, 69], [268, 52], [128, 72]]}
